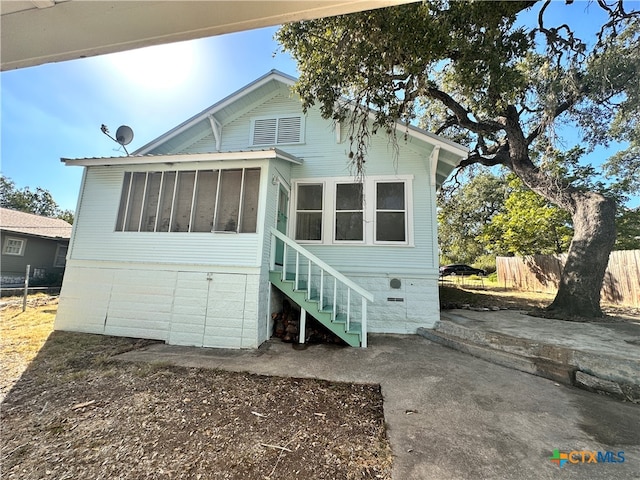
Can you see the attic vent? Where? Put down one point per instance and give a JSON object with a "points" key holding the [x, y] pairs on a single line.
{"points": [[277, 131], [264, 131]]}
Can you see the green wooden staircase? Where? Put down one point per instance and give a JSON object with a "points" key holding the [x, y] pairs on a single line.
{"points": [[320, 290]]}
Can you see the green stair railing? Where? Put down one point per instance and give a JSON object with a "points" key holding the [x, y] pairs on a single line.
{"points": [[335, 294]]}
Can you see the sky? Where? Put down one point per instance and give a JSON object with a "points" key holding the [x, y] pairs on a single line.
{"points": [[55, 110]]}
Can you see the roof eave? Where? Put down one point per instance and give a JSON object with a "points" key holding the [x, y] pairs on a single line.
{"points": [[273, 153]]}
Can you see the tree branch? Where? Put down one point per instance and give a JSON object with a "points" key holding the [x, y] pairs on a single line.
{"points": [[499, 157], [462, 115], [541, 127]]}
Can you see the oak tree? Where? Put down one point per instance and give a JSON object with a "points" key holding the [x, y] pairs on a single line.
{"points": [[470, 71]]}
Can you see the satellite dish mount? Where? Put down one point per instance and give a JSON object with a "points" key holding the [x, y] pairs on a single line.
{"points": [[124, 135]]}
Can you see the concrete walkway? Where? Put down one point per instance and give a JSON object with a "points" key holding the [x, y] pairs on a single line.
{"points": [[602, 357], [451, 415]]}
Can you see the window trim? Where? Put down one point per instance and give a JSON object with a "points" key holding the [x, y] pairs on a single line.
{"points": [[335, 215], [293, 204], [375, 213], [369, 210], [125, 199], [23, 245], [277, 118]]}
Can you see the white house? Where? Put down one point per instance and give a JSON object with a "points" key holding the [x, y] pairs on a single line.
{"points": [[198, 236]]}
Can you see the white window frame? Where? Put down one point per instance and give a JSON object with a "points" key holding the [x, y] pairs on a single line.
{"points": [[334, 212], [375, 213], [277, 118], [369, 192], [6, 247], [293, 205]]}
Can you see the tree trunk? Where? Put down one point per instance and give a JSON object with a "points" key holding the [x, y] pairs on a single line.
{"points": [[578, 294]]}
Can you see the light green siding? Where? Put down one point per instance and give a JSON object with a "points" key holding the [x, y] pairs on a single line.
{"points": [[96, 239], [324, 156]]}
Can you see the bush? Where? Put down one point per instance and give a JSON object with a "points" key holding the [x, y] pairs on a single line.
{"points": [[486, 263]]}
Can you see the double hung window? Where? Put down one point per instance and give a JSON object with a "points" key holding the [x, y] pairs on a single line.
{"points": [[309, 211], [391, 212], [340, 211], [349, 224]]}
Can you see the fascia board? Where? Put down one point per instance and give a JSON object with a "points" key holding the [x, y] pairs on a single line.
{"points": [[185, 158]]}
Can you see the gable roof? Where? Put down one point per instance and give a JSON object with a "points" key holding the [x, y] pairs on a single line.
{"points": [[257, 90], [35, 225], [225, 108]]}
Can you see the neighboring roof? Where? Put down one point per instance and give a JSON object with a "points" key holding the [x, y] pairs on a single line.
{"points": [[186, 157], [36, 225]]}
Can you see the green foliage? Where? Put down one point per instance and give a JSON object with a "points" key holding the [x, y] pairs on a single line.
{"points": [[628, 225], [486, 262], [613, 78], [502, 90], [461, 68], [528, 224], [38, 201], [463, 212], [66, 215], [389, 58], [493, 215], [489, 215]]}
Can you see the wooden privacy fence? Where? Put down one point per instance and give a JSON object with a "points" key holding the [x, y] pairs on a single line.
{"points": [[541, 273]]}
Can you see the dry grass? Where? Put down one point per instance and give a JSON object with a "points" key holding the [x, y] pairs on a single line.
{"points": [[484, 294], [73, 412], [22, 335]]}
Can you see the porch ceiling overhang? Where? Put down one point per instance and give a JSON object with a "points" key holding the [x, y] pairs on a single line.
{"points": [[43, 31], [269, 154]]}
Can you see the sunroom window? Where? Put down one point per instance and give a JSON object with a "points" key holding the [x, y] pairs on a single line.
{"points": [[190, 201]]}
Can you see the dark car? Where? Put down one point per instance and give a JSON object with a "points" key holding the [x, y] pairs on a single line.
{"points": [[460, 269]]}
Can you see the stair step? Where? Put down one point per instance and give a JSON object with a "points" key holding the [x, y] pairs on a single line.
{"points": [[355, 328], [324, 316]]}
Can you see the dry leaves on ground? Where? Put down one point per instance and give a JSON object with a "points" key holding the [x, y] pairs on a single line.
{"points": [[76, 413]]}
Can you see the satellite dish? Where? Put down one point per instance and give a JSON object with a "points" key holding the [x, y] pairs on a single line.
{"points": [[124, 135]]}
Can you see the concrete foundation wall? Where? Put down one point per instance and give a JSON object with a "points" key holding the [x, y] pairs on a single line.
{"points": [[180, 306], [413, 305]]}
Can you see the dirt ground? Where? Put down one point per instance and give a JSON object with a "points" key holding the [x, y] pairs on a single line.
{"points": [[477, 295], [71, 412]]}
